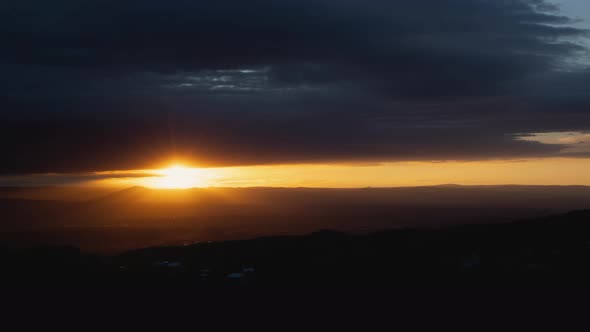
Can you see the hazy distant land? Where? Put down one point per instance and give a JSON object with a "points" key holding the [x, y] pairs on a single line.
{"points": [[107, 220]]}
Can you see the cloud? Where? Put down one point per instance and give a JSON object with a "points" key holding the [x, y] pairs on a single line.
{"points": [[102, 85], [65, 179], [572, 144]]}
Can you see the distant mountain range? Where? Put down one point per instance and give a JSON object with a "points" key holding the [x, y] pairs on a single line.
{"points": [[551, 252], [103, 219]]}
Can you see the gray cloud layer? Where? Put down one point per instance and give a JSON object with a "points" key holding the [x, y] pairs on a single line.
{"points": [[102, 85]]}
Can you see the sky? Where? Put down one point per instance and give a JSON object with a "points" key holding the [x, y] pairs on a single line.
{"points": [[576, 9], [310, 92]]}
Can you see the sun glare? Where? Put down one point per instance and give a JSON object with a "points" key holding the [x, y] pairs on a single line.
{"points": [[179, 177]]}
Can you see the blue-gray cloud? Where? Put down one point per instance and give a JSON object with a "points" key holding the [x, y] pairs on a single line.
{"points": [[100, 85]]}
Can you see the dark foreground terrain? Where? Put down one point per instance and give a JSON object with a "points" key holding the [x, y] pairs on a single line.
{"points": [[552, 251]]}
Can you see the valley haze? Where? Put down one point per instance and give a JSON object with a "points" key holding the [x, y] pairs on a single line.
{"points": [[108, 220]]}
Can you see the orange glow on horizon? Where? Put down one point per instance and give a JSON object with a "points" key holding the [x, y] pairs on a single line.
{"points": [[178, 177], [544, 171]]}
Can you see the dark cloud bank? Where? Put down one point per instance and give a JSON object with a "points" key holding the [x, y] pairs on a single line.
{"points": [[102, 85]]}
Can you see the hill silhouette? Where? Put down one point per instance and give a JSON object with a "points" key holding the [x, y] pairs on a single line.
{"points": [[551, 251], [118, 220]]}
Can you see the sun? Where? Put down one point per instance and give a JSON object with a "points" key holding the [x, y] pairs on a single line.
{"points": [[179, 177]]}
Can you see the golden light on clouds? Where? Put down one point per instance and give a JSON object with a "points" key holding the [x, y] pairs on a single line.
{"points": [[178, 177], [571, 141], [542, 171], [548, 171]]}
